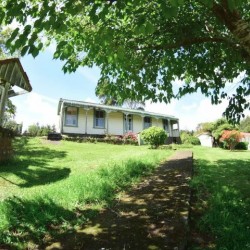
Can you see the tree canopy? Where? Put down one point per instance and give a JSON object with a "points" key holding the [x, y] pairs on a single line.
{"points": [[245, 125], [143, 46]]}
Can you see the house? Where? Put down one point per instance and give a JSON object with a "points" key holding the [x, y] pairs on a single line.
{"points": [[96, 120], [206, 139]]}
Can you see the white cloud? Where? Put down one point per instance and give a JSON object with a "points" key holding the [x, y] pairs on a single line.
{"points": [[90, 100], [162, 108], [202, 111], [190, 115], [33, 108], [189, 107]]}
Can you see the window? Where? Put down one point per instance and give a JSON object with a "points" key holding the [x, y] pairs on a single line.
{"points": [[165, 124], [71, 116], [99, 119], [147, 122], [128, 123]]}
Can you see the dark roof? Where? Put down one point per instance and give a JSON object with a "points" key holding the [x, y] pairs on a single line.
{"points": [[12, 71]]}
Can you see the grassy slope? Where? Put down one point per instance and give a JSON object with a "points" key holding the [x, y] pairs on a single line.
{"points": [[222, 184], [53, 182]]}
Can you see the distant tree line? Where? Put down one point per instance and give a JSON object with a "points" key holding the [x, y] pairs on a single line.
{"points": [[37, 130]]}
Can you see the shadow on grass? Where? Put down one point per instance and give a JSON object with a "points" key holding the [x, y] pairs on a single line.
{"points": [[221, 204], [31, 165], [149, 216], [233, 173]]}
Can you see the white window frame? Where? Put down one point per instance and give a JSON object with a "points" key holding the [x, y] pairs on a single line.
{"points": [[130, 123], [71, 120], [98, 120], [165, 124], [147, 124]]}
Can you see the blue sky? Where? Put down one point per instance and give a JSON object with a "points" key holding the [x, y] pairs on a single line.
{"points": [[50, 84]]}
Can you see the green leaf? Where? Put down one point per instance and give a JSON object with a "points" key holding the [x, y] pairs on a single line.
{"points": [[121, 52], [231, 4], [35, 52], [24, 50], [13, 35], [149, 28], [140, 30]]}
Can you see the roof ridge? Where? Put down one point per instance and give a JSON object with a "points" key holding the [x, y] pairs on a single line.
{"points": [[115, 107]]}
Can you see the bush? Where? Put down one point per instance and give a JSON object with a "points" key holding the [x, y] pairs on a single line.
{"points": [[187, 138], [242, 146], [154, 136], [130, 138], [231, 138]]}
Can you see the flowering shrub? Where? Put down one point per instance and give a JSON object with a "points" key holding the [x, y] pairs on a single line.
{"points": [[130, 138], [231, 138]]}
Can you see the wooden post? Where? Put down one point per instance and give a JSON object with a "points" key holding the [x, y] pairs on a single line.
{"points": [[169, 128], [3, 100], [86, 120], [107, 122]]}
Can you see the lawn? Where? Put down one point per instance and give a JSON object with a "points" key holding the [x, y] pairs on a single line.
{"points": [[52, 187], [221, 186]]}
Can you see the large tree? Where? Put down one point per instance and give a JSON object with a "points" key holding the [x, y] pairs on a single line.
{"points": [[143, 46], [245, 125]]}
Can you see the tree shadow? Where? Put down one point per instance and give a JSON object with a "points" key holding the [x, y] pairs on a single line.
{"points": [[31, 221], [151, 215], [231, 172], [31, 165], [220, 190]]}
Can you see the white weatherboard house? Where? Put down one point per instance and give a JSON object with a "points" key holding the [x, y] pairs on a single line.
{"points": [[91, 119]]}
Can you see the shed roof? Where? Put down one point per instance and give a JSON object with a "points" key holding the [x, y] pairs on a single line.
{"points": [[83, 104], [11, 71]]}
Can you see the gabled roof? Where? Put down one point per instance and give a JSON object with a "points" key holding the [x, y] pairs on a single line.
{"points": [[11, 71], [90, 105]]}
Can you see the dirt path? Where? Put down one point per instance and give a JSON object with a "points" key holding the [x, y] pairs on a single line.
{"points": [[152, 215]]}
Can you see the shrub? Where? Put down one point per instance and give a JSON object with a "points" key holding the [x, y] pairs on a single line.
{"points": [[187, 138], [231, 138], [154, 136], [241, 146], [130, 138]]}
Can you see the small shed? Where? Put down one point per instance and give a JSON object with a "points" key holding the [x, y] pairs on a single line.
{"points": [[206, 139], [13, 81], [246, 138]]}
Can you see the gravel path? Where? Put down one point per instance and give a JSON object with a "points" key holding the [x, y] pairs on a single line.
{"points": [[151, 215]]}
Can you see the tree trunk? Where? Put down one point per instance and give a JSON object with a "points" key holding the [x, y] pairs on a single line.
{"points": [[239, 27], [242, 34]]}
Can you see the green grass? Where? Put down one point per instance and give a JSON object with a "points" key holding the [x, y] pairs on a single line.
{"points": [[222, 186], [51, 188]]}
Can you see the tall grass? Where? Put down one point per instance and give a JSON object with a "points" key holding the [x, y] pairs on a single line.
{"points": [[222, 184], [49, 189]]}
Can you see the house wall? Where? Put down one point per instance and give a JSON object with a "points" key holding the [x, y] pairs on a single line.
{"points": [[137, 124], [115, 123], [114, 126], [80, 129], [206, 140]]}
